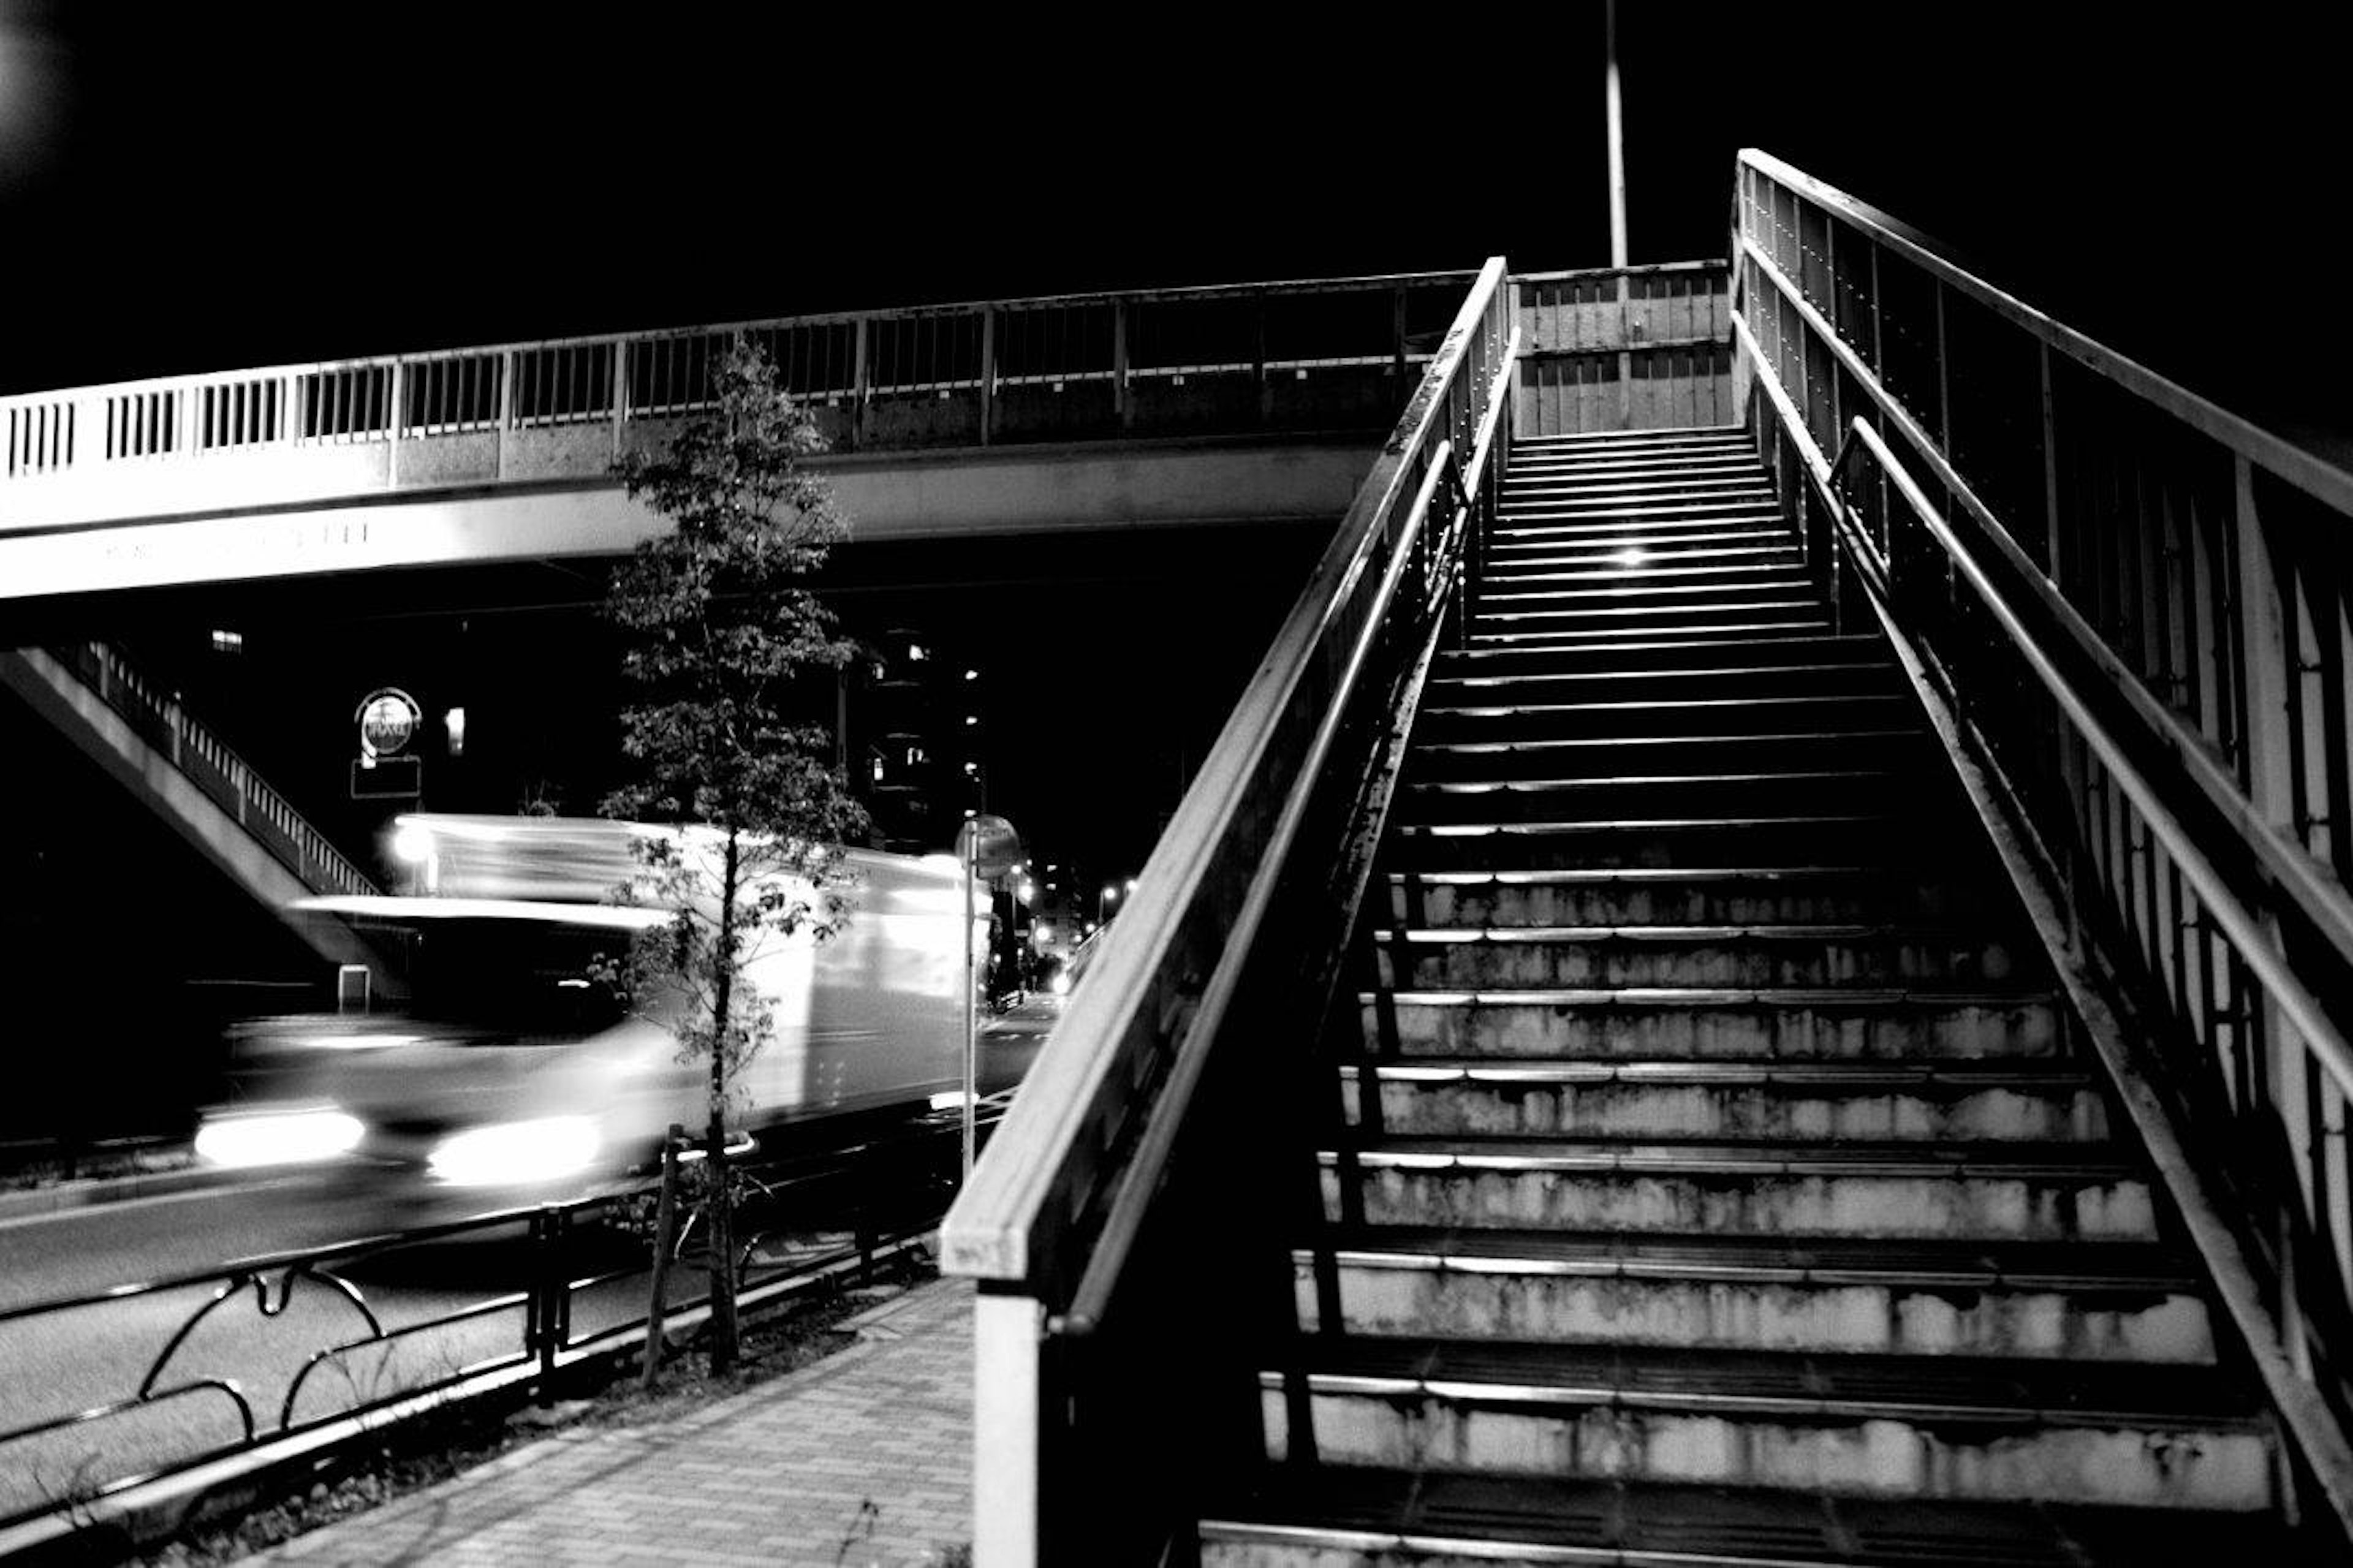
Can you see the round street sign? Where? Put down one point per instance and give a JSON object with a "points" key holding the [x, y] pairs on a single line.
{"points": [[387, 718], [989, 845]]}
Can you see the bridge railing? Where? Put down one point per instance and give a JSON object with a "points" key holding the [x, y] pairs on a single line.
{"points": [[1625, 348], [1130, 1229], [206, 762], [2138, 609], [1290, 357]]}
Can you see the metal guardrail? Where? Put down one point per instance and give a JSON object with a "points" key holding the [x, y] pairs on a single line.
{"points": [[212, 767], [2137, 604], [1293, 356], [881, 1194], [1125, 1229]]}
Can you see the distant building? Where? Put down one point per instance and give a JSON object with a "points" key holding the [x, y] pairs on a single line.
{"points": [[915, 727]]}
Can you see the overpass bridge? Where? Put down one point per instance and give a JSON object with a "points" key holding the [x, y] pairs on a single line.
{"points": [[1257, 403], [1760, 975], [1030, 418], [1773, 995]]}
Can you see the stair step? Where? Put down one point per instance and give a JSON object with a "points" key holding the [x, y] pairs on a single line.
{"points": [[1716, 895], [1552, 517], [1649, 554], [1536, 637], [2034, 1192], [2113, 1301], [1892, 1024], [1507, 799], [1649, 621], [1607, 440], [1559, 712], [1634, 464], [1629, 844], [1761, 520], [1451, 685], [1349, 1516], [1509, 582], [1631, 657], [1568, 595], [1634, 843], [1593, 759], [1475, 958], [1982, 1102], [1893, 1427], [1550, 490]]}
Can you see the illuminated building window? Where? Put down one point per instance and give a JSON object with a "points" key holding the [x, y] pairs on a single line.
{"points": [[228, 642]]}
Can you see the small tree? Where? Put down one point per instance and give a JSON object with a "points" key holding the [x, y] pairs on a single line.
{"points": [[720, 629]]}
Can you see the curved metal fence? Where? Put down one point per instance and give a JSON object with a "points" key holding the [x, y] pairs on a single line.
{"points": [[274, 1355]]}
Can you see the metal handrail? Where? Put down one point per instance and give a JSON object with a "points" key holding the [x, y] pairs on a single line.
{"points": [[314, 861], [1359, 282], [2323, 897], [2244, 928], [2270, 1340], [997, 1227], [2309, 473], [1149, 1167]]}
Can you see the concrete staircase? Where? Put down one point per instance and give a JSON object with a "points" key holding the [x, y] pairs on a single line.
{"points": [[1715, 1183]]}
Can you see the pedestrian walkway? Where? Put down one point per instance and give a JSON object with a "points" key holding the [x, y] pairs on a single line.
{"points": [[862, 1460]]}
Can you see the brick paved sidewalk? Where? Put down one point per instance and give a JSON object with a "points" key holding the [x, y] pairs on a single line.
{"points": [[863, 1460]]}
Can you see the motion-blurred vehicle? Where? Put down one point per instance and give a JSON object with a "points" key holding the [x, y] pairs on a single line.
{"points": [[493, 1065]]}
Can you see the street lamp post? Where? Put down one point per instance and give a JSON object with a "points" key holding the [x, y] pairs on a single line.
{"points": [[987, 848]]}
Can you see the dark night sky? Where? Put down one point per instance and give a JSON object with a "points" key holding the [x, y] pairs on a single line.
{"points": [[189, 187]]}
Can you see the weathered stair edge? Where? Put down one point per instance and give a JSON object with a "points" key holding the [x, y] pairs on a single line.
{"points": [[2194, 1194]]}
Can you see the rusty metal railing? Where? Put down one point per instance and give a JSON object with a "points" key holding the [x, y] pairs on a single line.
{"points": [[2135, 606]]}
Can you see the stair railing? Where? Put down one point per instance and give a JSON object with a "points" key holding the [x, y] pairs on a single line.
{"points": [[2129, 614], [225, 778], [1130, 1226]]}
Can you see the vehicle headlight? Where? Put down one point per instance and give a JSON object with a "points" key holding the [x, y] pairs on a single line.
{"points": [[277, 1138], [509, 1153]]}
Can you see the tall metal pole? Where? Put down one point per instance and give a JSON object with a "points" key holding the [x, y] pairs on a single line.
{"points": [[971, 1020], [1616, 108], [1616, 111]]}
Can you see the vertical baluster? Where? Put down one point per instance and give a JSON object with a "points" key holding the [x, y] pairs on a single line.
{"points": [[988, 372], [862, 381], [2266, 645], [2319, 826], [619, 349]]}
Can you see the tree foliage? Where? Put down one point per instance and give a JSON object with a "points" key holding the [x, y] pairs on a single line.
{"points": [[723, 638]]}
